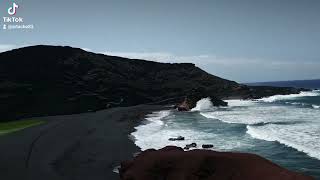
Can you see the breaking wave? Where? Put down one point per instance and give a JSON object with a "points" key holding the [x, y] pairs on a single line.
{"points": [[294, 123], [284, 129], [315, 106], [290, 96], [204, 104], [153, 125], [300, 137]]}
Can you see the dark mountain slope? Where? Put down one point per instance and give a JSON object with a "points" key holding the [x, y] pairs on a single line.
{"points": [[50, 80]]}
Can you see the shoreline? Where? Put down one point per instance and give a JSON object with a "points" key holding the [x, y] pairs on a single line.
{"points": [[80, 146]]}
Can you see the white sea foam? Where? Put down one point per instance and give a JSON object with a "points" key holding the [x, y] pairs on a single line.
{"points": [[238, 103], [156, 117], [154, 124], [303, 104], [290, 96], [209, 115], [304, 138], [155, 134], [204, 108], [275, 122], [204, 104], [293, 126], [295, 103], [315, 106], [251, 115], [159, 139], [116, 169]]}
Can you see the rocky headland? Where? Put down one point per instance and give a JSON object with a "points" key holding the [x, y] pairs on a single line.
{"points": [[52, 80]]}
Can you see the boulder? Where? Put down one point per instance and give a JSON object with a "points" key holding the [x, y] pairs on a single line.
{"points": [[207, 146], [184, 106], [192, 145], [179, 138], [173, 163]]}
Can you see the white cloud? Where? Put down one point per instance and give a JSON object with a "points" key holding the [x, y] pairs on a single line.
{"points": [[209, 59], [87, 49], [172, 58], [153, 56], [235, 68], [239, 69], [200, 60]]}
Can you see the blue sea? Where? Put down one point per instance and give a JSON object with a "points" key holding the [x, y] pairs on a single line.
{"points": [[283, 128], [309, 84]]}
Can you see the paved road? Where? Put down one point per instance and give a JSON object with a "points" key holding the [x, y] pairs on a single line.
{"points": [[77, 147]]}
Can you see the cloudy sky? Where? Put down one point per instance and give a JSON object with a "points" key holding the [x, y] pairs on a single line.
{"points": [[242, 40]]}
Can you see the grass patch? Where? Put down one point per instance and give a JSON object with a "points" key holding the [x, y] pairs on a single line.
{"points": [[9, 127]]}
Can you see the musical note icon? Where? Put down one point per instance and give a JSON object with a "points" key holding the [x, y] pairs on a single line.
{"points": [[12, 10]]}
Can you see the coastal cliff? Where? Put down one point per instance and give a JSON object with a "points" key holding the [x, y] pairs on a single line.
{"points": [[51, 80]]}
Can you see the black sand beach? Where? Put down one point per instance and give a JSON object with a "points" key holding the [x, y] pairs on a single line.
{"points": [[73, 81], [81, 146]]}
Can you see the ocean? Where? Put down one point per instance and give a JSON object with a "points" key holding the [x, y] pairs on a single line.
{"points": [[309, 84], [283, 128]]}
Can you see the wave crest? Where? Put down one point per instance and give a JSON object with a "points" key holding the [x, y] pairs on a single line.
{"points": [[296, 137], [289, 96], [204, 104], [316, 106]]}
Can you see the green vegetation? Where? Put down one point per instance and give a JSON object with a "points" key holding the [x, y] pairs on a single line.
{"points": [[8, 127]]}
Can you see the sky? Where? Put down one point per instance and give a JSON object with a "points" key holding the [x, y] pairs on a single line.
{"points": [[241, 40]]}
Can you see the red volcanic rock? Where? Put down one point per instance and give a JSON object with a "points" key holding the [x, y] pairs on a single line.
{"points": [[172, 163], [184, 106]]}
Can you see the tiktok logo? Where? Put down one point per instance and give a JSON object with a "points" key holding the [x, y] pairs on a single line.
{"points": [[12, 10], [12, 22]]}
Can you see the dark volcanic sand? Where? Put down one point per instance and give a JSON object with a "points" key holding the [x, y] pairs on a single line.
{"points": [[82, 146]]}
